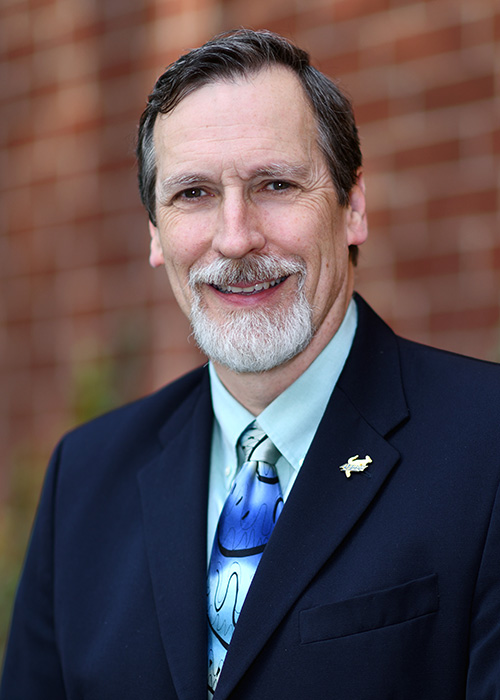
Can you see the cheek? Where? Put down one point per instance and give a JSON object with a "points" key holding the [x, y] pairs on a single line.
{"points": [[178, 278], [182, 247], [178, 258], [327, 261], [291, 233]]}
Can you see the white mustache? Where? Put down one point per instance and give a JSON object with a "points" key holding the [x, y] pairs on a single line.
{"points": [[252, 268]]}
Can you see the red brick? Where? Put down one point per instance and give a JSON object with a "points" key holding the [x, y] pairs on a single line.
{"points": [[429, 43], [18, 349], [495, 258], [496, 27], [170, 325], [165, 367], [372, 111], [79, 290], [477, 145], [326, 41], [464, 204], [426, 267], [124, 285], [481, 343], [378, 163], [496, 141], [415, 328], [378, 218], [352, 9], [412, 103], [477, 33], [377, 55], [409, 214], [75, 81], [21, 258], [18, 387], [428, 154], [480, 88], [315, 16], [465, 319], [287, 26], [73, 244], [166, 9], [345, 62]]}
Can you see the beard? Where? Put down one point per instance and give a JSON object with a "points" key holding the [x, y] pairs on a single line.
{"points": [[251, 340]]}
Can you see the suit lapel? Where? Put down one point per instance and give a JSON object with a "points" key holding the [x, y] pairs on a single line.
{"points": [[324, 505], [174, 498]]}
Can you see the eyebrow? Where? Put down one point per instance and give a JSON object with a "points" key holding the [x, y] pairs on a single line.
{"points": [[279, 170], [169, 184], [273, 170]]}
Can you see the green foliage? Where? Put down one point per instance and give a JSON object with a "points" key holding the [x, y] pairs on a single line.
{"points": [[92, 392], [94, 389], [98, 383], [16, 519]]}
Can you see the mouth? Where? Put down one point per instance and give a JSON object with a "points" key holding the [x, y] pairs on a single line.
{"points": [[249, 288]]}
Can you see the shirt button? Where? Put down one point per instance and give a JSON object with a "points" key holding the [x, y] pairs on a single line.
{"points": [[228, 471]]}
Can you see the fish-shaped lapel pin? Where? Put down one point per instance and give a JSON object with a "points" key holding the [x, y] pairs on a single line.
{"points": [[354, 464]]}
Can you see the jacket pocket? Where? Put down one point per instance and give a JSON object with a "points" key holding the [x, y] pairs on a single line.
{"points": [[382, 608]]}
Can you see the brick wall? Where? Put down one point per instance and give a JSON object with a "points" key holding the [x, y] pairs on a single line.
{"points": [[86, 323]]}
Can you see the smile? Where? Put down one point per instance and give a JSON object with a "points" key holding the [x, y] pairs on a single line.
{"points": [[251, 289]]}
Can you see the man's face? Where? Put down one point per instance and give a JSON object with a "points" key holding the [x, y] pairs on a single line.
{"points": [[240, 178]]}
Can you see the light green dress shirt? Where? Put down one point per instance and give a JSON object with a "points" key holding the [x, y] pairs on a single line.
{"points": [[291, 420]]}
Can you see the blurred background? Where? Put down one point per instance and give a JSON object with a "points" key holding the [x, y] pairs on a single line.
{"points": [[86, 324]]}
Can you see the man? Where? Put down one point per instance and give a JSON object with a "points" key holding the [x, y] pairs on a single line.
{"points": [[377, 571]]}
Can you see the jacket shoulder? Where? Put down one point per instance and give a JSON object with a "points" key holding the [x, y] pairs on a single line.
{"points": [[419, 360], [444, 368], [389, 376]]}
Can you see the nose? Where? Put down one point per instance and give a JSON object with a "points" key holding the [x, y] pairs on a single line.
{"points": [[239, 229]]}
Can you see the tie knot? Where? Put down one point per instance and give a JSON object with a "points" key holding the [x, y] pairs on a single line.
{"points": [[255, 445]]}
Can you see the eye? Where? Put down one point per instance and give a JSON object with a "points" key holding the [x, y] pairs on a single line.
{"points": [[191, 197], [192, 193], [278, 186]]}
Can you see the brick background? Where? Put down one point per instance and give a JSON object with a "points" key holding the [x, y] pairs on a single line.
{"points": [[82, 314]]}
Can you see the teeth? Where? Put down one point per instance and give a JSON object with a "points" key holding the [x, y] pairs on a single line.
{"points": [[253, 288]]}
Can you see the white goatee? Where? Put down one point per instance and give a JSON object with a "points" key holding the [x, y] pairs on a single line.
{"points": [[252, 339]]}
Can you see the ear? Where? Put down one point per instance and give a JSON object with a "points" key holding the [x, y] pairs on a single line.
{"points": [[357, 225], [156, 253]]}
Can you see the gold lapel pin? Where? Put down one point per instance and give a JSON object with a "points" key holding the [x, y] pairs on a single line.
{"points": [[354, 464]]}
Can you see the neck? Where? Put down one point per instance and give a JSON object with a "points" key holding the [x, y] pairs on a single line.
{"points": [[255, 391]]}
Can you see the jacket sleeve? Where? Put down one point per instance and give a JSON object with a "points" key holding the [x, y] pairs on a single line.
{"points": [[32, 666], [483, 680]]}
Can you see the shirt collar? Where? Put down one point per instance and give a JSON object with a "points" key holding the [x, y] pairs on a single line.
{"points": [[292, 419]]}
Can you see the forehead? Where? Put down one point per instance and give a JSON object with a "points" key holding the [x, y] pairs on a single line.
{"points": [[249, 116]]}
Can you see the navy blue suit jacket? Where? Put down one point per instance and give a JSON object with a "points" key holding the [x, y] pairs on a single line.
{"points": [[381, 586]]}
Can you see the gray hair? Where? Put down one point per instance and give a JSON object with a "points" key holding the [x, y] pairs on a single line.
{"points": [[243, 52]]}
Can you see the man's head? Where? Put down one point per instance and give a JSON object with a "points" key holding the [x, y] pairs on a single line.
{"points": [[253, 222], [243, 53]]}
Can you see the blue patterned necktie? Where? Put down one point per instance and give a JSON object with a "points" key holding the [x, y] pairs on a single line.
{"points": [[245, 525]]}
